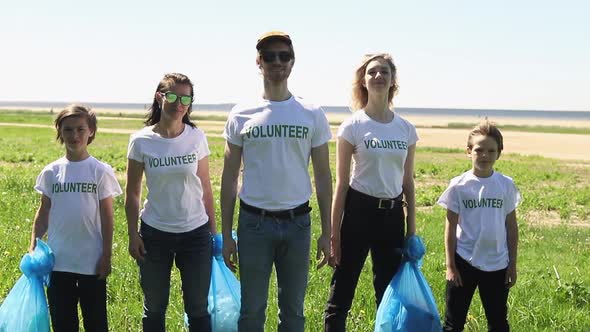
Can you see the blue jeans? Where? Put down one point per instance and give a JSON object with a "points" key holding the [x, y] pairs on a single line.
{"points": [[192, 253], [262, 242]]}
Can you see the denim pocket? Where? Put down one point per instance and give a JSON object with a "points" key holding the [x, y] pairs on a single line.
{"points": [[303, 221], [249, 221], [200, 238]]}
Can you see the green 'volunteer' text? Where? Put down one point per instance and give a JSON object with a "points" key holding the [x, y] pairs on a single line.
{"points": [[386, 144], [172, 161], [74, 187], [483, 202], [278, 130]]}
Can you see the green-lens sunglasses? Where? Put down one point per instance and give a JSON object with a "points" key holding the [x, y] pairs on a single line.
{"points": [[171, 97]]}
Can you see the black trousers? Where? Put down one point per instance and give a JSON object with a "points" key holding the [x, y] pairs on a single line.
{"points": [[364, 228], [492, 291], [63, 294]]}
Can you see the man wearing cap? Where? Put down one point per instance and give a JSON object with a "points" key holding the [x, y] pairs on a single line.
{"points": [[275, 138]]}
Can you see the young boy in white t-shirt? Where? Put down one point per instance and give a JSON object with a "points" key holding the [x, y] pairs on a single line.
{"points": [[481, 233], [77, 213]]}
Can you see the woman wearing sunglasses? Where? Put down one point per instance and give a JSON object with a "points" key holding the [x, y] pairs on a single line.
{"points": [[178, 215], [368, 207]]}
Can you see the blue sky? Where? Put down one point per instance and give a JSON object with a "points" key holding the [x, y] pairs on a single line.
{"points": [[457, 54]]}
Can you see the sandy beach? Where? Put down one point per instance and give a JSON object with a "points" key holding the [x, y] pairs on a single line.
{"points": [[560, 146], [437, 121]]}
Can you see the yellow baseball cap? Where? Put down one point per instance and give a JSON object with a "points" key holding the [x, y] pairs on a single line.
{"points": [[273, 35]]}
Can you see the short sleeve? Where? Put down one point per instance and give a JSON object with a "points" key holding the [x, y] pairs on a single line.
{"points": [[108, 184], [412, 136], [133, 150], [43, 182], [202, 146], [449, 199], [322, 132], [345, 131], [231, 132], [513, 198]]}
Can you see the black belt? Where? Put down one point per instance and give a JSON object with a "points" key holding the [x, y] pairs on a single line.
{"points": [[283, 214], [368, 201]]}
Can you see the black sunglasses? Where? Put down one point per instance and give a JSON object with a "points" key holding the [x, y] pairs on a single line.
{"points": [[269, 56]]}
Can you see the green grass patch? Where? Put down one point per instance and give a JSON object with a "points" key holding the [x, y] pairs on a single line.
{"points": [[553, 281], [47, 117]]}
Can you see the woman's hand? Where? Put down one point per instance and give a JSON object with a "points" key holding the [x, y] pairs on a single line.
{"points": [[334, 259], [230, 253]]}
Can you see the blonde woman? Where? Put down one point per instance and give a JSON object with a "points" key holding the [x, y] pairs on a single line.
{"points": [[368, 206]]}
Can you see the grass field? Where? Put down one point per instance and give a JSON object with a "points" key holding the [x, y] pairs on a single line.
{"points": [[553, 288]]}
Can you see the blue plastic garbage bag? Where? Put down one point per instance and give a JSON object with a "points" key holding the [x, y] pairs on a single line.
{"points": [[25, 307], [408, 304], [224, 292]]}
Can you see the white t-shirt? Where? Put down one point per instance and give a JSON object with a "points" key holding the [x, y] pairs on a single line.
{"points": [[482, 205], [380, 151], [75, 189], [276, 139], [174, 202]]}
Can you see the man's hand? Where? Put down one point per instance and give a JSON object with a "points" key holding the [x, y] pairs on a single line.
{"points": [[323, 252]]}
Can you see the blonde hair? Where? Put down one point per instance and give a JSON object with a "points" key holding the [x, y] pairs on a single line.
{"points": [[75, 110], [360, 94], [486, 128]]}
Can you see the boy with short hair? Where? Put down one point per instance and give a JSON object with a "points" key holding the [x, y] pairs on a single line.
{"points": [[76, 212], [481, 233]]}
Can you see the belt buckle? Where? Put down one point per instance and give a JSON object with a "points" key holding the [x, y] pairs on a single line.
{"points": [[282, 214], [383, 206]]}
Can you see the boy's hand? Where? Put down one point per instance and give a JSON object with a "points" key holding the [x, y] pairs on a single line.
{"points": [[136, 247], [510, 276], [103, 268], [454, 276]]}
